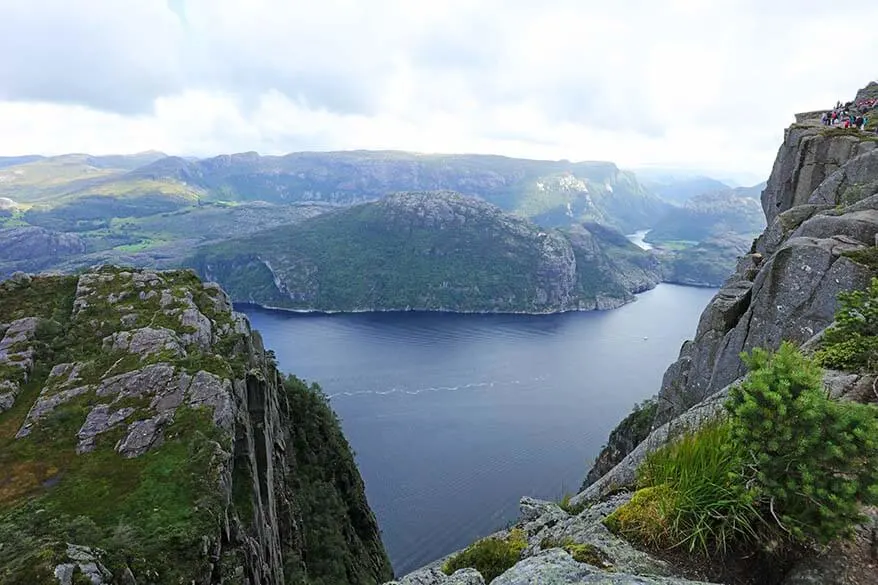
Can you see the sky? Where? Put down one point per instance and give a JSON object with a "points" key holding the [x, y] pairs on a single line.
{"points": [[707, 85]]}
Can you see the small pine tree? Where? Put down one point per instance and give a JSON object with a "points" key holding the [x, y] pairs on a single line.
{"points": [[852, 343], [813, 459]]}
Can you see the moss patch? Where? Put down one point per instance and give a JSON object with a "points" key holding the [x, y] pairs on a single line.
{"points": [[581, 552], [491, 556]]}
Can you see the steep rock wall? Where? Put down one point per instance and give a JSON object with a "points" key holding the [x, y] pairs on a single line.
{"points": [[821, 204]]}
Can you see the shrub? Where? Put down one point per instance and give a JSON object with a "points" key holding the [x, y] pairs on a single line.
{"points": [[490, 556], [814, 460], [852, 343], [692, 494]]}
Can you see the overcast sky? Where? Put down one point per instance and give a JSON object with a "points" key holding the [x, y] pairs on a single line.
{"points": [[686, 83]]}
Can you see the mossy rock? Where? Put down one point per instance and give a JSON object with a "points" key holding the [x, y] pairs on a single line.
{"points": [[645, 517], [582, 552], [490, 556]]}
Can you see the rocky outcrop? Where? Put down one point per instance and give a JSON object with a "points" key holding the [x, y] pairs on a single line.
{"points": [[151, 382], [557, 566], [16, 358], [821, 206], [565, 548], [787, 288], [809, 154]]}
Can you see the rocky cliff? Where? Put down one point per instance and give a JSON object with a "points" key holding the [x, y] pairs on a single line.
{"points": [[821, 207], [430, 251], [146, 436]]}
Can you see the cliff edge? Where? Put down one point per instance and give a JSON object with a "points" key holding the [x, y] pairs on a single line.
{"points": [[146, 436]]}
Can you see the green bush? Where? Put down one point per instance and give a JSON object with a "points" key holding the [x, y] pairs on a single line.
{"points": [[692, 495], [814, 460], [490, 556], [852, 343]]}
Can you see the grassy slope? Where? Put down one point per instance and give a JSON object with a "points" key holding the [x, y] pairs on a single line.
{"points": [[148, 504]]}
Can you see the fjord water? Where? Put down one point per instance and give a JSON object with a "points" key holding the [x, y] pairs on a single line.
{"points": [[454, 417]]}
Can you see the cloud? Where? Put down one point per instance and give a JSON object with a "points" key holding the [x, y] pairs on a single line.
{"points": [[674, 82], [104, 54]]}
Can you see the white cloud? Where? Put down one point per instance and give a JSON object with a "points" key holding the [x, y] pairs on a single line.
{"points": [[692, 83]]}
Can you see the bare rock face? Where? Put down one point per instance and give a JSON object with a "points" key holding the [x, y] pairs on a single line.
{"points": [[807, 156], [145, 341], [16, 358], [820, 206]]}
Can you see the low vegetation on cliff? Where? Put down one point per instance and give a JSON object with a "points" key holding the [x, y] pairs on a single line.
{"points": [[787, 465], [491, 556]]}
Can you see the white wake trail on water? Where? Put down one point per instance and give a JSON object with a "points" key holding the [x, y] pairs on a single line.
{"points": [[414, 392]]}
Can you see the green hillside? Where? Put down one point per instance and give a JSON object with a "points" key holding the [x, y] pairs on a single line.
{"points": [[424, 250]]}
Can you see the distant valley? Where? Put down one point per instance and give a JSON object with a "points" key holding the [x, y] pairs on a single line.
{"points": [[231, 214]]}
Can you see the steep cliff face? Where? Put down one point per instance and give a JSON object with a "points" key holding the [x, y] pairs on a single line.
{"points": [[821, 205], [146, 436], [430, 251]]}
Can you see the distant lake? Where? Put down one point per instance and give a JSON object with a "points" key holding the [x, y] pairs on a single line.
{"points": [[454, 417]]}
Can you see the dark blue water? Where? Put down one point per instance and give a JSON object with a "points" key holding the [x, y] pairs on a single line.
{"points": [[455, 417]]}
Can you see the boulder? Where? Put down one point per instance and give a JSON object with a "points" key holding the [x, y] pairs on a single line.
{"points": [[143, 435], [145, 341], [88, 563]]}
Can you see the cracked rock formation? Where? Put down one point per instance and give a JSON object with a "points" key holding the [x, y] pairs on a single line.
{"points": [[146, 436]]}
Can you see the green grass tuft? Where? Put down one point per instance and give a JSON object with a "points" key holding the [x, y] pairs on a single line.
{"points": [[490, 556], [691, 495]]}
